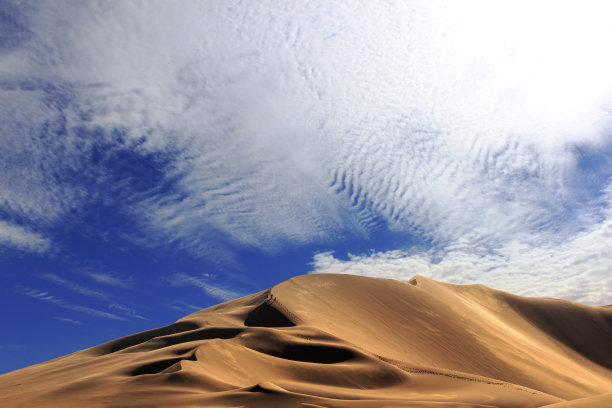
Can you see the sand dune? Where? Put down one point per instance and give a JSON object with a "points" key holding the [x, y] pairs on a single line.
{"points": [[344, 341]]}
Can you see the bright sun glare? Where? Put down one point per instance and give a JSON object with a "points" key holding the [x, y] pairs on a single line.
{"points": [[547, 58]]}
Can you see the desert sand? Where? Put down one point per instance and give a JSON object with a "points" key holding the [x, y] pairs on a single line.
{"points": [[344, 341]]}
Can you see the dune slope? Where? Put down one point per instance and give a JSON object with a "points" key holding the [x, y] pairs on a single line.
{"points": [[344, 341]]}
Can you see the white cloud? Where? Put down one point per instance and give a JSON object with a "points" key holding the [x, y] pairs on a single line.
{"points": [[212, 289], [309, 122], [577, 269], [19, 237]]}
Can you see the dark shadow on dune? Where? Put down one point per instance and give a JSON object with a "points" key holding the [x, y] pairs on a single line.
{"points": [[568, 324], [266, 315], [259, 388], [142, 337], [157, 367], [203, 334], [320, 354]]}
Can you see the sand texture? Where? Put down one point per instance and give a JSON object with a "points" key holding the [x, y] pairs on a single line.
{"points": [[344, 341]]}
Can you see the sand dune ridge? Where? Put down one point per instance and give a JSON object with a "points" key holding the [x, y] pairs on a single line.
{"points": [[344, 341]]}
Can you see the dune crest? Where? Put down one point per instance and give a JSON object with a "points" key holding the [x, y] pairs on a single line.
{"points": [[344, 341]]}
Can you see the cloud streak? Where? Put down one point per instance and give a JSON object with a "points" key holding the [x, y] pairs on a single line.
{"points": [[126, 311], [68, 320], [47, 297], [75, 287], [184, 307], [213, 290], [18, 237], [107, 279]]}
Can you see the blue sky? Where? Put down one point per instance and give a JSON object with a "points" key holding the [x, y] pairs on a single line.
{"points": [[160, 158]]}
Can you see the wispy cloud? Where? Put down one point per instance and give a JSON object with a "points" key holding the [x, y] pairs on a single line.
{"points": [[184, 307], [126, 311], [68, 320], [42, 295], [212, 289], [92, 312], [75, 287], [89, 292], [47, 297], [19, 237], [107, 279]]}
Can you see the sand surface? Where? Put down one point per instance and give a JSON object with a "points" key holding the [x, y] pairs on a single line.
{"points": [[344, 341]]}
